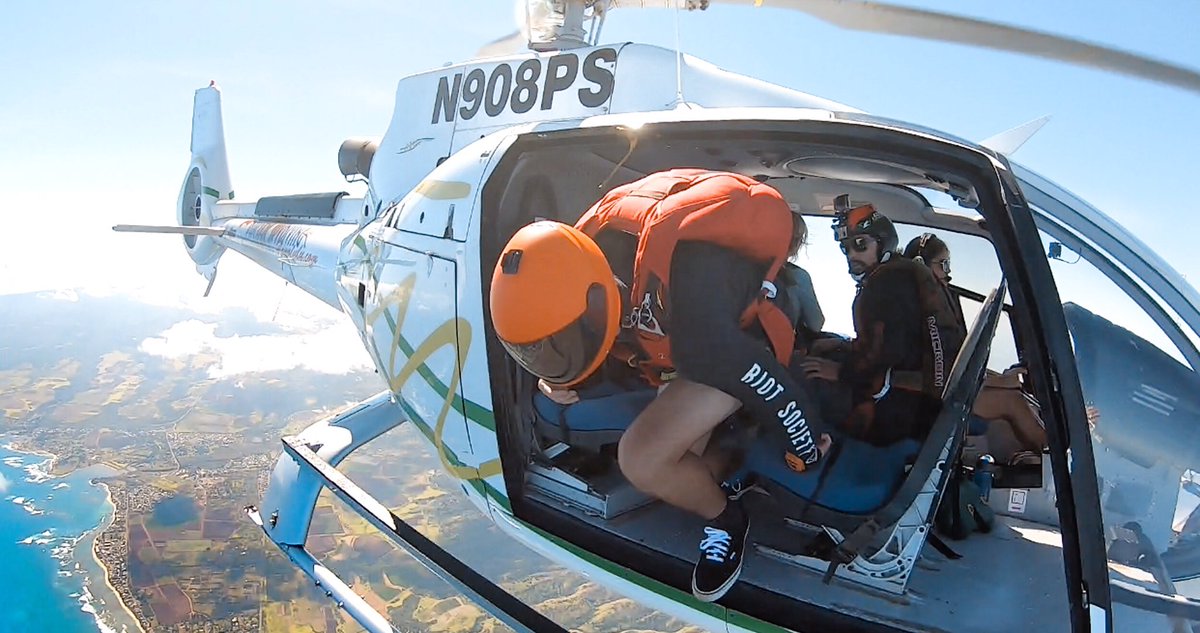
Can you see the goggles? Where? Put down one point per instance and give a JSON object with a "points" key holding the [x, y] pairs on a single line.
{"points": [[944, 264], [858, 243]]}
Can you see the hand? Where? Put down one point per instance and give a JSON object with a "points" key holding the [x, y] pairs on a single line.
{"points": [[824, 443], [823, 346], [821, 368], [558, 395]]}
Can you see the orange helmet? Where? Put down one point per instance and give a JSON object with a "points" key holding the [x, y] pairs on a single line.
{"points": [[555, 304]]}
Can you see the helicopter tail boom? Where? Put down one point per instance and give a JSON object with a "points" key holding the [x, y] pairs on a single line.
{"points": [[303, 254], [297, 237]]}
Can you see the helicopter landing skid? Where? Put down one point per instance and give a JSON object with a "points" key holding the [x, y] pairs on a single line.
{"points": [[309, 464]]}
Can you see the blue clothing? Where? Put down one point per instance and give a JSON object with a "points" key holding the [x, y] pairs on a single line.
{"points": [[798, 300]]}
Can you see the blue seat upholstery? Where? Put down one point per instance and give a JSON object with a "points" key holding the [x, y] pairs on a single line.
{"points": [[976, 425], [601, 416], [859, 480]]}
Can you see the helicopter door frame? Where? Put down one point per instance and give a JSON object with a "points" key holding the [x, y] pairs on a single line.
{"points": [[1047, 353], [1017, 242], [442, 206]]}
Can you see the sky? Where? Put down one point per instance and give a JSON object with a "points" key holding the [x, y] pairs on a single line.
{"points": [[95, 112]]}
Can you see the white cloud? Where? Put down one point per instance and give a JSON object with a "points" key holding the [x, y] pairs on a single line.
{"points": [[4, 484], [325, 348], [61, 295]]}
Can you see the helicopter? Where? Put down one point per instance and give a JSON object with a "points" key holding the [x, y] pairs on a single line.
{"points": [[1087, 537]]}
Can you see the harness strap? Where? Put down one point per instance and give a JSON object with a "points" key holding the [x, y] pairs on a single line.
{"points": [[941, 546], [849, 548], [822, 479], [776, 325]]}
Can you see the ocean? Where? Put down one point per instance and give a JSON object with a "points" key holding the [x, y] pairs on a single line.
{"points": [[47, 527]]}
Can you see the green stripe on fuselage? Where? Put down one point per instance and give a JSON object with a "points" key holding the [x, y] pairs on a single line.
{"points": [[474, 412], [482, 487]]}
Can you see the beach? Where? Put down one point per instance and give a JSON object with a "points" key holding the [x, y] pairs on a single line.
{"points": [[117, 614]]}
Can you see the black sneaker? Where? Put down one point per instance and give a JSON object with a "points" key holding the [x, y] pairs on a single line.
{"points": [[720, 561]]}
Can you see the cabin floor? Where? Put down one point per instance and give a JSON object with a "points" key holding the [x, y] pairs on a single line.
{"points": [[1005, 580]]}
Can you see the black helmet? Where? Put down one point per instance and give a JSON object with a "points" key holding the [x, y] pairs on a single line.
{"points": [[924, 247], [864, 219]]}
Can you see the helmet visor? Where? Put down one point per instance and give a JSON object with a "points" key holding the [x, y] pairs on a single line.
{"points": [[568, 355]]}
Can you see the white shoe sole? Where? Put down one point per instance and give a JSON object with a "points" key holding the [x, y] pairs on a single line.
{"points": [[721, 591]]}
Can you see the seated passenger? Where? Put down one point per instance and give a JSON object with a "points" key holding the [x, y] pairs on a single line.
{"points": [[690, 321], [797, 298], [902, 323], [1000, 398]]}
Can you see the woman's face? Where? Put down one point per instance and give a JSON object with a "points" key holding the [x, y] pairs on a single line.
{"points": [[799, 236], [939, 263]]}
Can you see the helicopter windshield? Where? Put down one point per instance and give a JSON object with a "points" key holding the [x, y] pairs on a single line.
{"points": [[1132, 328]]}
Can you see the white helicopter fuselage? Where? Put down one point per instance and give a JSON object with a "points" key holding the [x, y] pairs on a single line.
{"points": [[404, 263]]}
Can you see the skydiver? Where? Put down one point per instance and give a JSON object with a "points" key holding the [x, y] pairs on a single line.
{"points": [[697, 252], [902, 324]]}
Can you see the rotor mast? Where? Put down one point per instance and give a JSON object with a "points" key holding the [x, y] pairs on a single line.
{"points": [[556, 24]]}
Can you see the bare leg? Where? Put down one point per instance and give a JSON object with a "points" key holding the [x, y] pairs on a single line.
{"points": [[1010, 405], [715, 460], [655, 454], [1002, 442]]}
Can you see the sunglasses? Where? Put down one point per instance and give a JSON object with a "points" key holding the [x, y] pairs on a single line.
{"points": [[943, 263], [859, 243]]}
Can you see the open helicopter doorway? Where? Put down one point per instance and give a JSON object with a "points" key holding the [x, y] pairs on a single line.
{"points": [[878, 503]]}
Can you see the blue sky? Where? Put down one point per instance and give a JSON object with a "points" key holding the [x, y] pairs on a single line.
{"points": [[95, 106]]}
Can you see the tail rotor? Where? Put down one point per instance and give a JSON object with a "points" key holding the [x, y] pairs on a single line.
{"points": [[207, 181]]}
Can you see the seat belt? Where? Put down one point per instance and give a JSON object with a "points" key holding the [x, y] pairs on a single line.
{"points": [[941, 546], [834, 454]]}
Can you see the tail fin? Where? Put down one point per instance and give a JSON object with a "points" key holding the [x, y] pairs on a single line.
{"points": [[1009, 141], [207, 179]]}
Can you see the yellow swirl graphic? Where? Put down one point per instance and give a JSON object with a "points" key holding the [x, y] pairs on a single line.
{"points": [[455, 333]]}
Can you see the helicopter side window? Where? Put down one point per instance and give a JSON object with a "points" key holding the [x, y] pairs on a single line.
{"points": [[1144, 413]]}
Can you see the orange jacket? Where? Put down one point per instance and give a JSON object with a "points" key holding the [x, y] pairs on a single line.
{"points": [[662, 209]]}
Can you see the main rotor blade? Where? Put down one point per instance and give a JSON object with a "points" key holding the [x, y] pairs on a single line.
{"points": [[874, 17], [514, 42]]}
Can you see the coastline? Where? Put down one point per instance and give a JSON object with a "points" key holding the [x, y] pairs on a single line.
{"points": [[17, 447], [109, 618], [112, 597]]}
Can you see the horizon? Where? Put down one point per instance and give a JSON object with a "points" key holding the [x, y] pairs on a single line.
{"points": [[100, 132]]}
